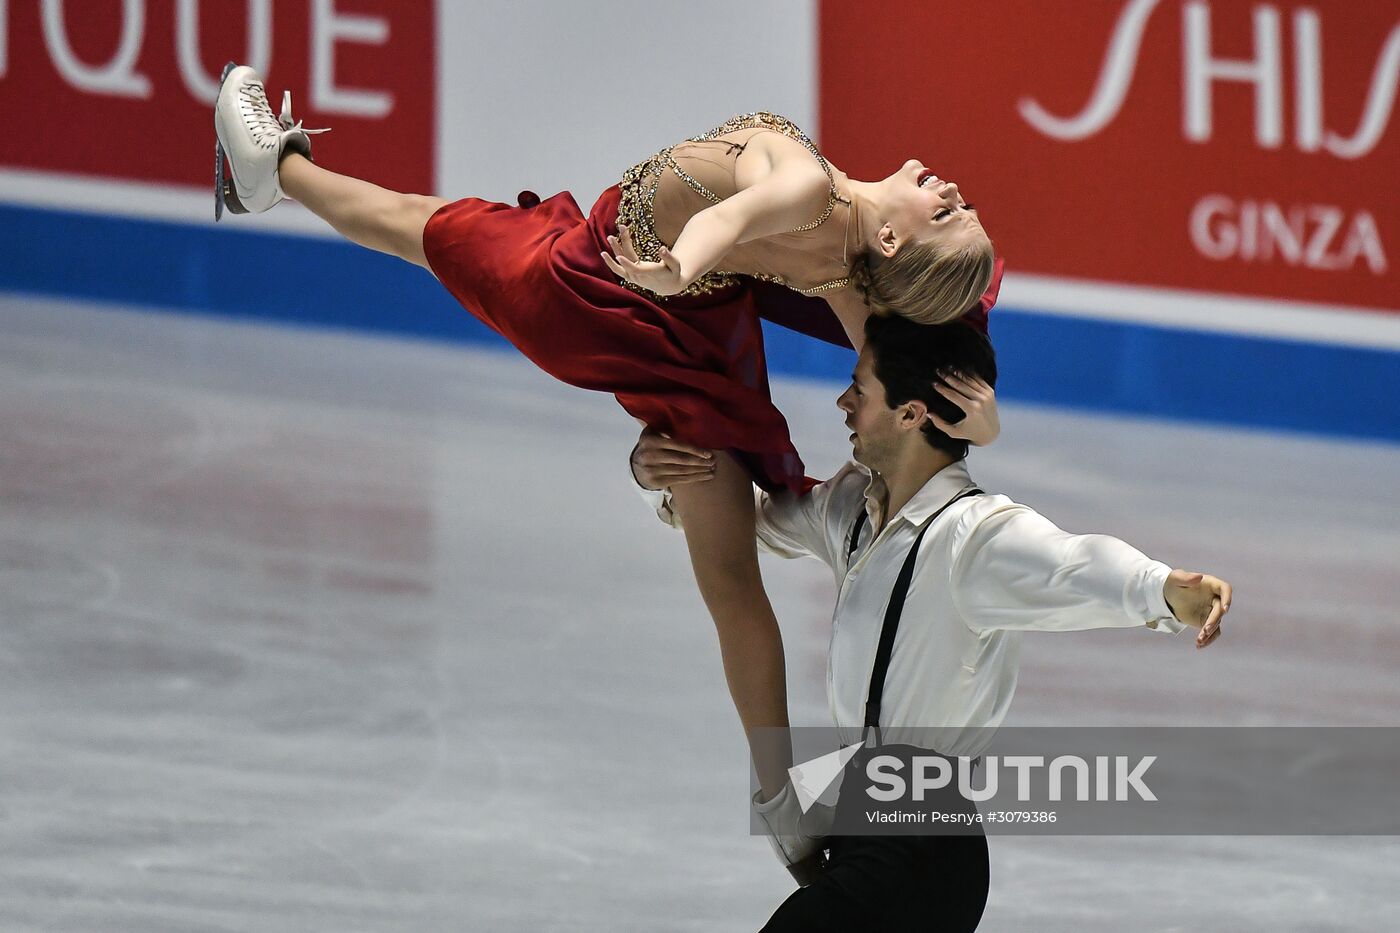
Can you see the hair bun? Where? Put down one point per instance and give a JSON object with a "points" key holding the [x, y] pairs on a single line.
{"points": [[864, 281]]}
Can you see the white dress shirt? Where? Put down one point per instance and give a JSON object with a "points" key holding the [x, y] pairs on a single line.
{"points": [[988, 570]]}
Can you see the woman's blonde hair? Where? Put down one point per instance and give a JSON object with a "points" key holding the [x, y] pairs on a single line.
{"points": [[925, 282]]}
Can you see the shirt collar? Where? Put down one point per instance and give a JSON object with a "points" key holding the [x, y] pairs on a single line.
{"points": [[940, 488]]}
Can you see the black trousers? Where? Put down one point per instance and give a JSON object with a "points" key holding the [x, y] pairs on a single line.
{"points": [[875, 884]]}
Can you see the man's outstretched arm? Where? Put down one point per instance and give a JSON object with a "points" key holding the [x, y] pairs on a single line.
{"points": [[1014, 569]]}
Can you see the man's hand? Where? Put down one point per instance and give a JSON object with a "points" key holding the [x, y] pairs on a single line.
{"points": [[661, 463], [1199, 600], [799, 852], [980, 424]]}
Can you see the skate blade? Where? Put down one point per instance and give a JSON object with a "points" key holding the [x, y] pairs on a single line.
{"points": [[220, 185], [228, 197], [224, 195]]}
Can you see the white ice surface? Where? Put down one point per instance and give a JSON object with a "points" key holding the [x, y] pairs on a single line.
{"points": [[303, 631]]}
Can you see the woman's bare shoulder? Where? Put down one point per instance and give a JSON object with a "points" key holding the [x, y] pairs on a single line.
{"points": [[776, 153]]}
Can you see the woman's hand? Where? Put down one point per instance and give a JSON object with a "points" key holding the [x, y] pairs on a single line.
{"points": [[978, 401], [663, 278]]}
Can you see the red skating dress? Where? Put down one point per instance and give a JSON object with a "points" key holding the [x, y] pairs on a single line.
{"points": [[690, 365]]}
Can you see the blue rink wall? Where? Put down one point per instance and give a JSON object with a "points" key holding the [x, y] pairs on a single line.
{"points": [[1054, 359]]}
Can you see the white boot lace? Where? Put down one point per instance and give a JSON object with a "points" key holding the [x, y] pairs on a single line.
{"points": [[286, 118], [267, 129], [258, 115]]}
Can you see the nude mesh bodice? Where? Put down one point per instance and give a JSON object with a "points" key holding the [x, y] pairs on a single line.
{"points": [[661, 194]]}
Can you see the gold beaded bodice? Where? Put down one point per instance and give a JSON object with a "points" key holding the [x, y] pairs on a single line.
{"points": [[691, 176]]}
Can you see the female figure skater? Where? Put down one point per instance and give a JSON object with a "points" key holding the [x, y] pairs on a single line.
{"points": [[656, 295]]}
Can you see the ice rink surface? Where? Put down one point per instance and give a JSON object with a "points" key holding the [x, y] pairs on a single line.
{"points": [[302, 631]]}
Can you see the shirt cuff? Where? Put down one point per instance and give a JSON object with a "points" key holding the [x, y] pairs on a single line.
{"points": [[1160, 617], [660, 501]]}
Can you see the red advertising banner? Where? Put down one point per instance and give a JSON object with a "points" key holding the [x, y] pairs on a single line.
{"points": [[1230, 146], [125, 88]]}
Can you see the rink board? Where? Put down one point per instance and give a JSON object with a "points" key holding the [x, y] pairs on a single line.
{"points": [[1083, 362]]}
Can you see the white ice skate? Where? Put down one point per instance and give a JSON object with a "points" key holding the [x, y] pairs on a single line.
{"points": [[252, 141]]}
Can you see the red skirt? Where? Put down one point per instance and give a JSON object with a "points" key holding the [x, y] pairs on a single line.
{"points": [[693, 369]]}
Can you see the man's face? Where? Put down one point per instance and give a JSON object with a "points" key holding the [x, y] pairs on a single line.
{"points": [[874, 437]]}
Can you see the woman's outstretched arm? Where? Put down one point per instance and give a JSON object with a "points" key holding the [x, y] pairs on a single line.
{"points": [[782, 201]]}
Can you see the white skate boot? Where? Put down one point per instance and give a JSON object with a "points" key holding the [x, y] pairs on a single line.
{"points": [[252, 141]]}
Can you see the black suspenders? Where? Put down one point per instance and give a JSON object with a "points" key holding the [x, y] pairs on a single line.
{"points": [[893, 612], [855, 535]]}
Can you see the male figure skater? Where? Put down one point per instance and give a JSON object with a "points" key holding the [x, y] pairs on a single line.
{"points": [[984, 569]]}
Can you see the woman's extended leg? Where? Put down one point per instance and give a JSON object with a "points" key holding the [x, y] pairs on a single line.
{"points": [[718, 517], [362, 212]]}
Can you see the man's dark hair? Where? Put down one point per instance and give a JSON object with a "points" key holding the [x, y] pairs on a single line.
{"points": [[909, 359]]}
